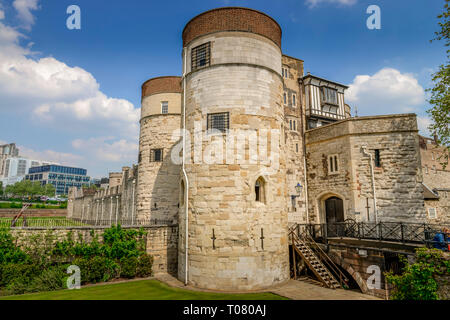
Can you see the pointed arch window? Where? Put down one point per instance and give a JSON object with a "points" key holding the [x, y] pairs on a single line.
{"points": [[260, 190]]}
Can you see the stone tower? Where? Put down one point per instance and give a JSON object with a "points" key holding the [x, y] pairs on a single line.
{"points": [[237, 215], [158, 176]]}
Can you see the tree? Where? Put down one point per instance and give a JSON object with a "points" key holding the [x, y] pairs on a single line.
{"points": [[49, 190], [419, 280], [440, 93]]}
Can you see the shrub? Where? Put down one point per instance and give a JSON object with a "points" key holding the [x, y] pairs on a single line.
{"points": [[120, 243], [50, 280], [128, 267], [97, 269], [9, 252], [418, 280], [18, 273], [144, 266]]}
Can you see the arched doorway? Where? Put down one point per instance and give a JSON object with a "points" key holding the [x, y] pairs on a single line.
{"points": [[334, 210]]}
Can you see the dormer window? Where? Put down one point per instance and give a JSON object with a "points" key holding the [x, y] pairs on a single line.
{"points": [[329, 95]]}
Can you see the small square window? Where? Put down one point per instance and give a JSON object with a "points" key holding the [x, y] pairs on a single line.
{"points": [[432, 213], [200, 56], [219, 121], [156, 155], [164, 107]]}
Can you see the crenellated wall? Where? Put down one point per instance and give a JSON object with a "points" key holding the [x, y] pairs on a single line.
{"points": [[103, 206]]}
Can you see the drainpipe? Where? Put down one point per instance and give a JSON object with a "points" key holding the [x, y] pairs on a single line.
{"points": [[186, 202], [366, 154]]}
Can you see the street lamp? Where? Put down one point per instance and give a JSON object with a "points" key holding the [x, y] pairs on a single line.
{"points": [[299, 188]]}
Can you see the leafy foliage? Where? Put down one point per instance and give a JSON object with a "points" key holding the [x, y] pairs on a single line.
{"points": [[9, 252], [418, 280], [41, 264], [30, 189], [440, 93]]}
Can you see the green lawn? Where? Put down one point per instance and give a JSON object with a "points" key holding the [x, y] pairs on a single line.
{"points": [[42, 222], [140, 290]]}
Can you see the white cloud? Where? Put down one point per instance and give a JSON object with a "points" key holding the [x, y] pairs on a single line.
{"points": [[315, 3], [386, 92], [108, 149], [49, 93], [423, 123], [24, 8], [63, 158]]}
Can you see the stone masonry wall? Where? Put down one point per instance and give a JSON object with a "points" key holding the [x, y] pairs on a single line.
{"points": [[398, 181], [294, 144], [161, 241], [250, 249], [159, 182]]}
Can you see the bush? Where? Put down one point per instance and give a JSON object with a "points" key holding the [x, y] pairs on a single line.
{"points": [[9, 252], [18, 273], [418, 280], [128, 267], [50, 280], [97, 269], [144, 266]]}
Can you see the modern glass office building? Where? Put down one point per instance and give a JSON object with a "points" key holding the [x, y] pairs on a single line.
{"points": [[62, 178]]}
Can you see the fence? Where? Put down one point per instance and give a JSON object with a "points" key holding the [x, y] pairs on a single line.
{"points": [[65, 223], [383, 231]]}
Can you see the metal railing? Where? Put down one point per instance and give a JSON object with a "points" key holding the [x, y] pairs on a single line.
{"points": [[62, 222], [323, 257], [383, 231]]}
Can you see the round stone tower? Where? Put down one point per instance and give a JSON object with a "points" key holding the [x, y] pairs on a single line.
{"points": [[158, 176], [236, 189]]}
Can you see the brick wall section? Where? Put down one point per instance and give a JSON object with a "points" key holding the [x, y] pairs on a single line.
{"points": [[161, 85], [232, 19]]}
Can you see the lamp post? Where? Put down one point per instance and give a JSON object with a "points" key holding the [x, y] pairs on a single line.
{"points": [[299, 189]]}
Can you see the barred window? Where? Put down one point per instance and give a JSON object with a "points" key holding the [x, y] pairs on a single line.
{"points": [[200, 56], [164, 107], [219, 121], [156, 155]]}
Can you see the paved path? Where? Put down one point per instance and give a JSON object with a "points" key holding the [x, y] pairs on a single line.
{"points": [[301, 290], [295, 290]]}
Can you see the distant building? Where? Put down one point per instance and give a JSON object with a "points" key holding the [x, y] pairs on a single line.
{"points": [[61, 177], [15, 169], [7, 151], [436, 180]]}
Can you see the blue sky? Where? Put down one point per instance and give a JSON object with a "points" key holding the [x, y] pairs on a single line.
{"points": [[73, 96]]}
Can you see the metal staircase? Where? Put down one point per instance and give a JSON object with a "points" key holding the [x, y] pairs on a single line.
{"points": [[317, 260]]}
